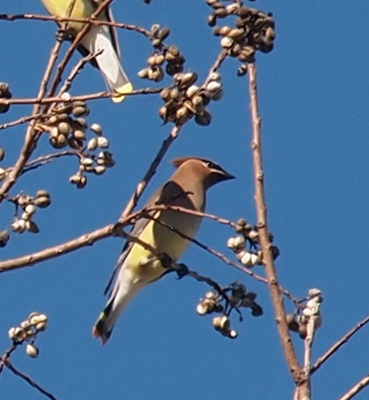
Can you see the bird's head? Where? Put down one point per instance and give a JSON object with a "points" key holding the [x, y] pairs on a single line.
{"points": [[207, 170]]}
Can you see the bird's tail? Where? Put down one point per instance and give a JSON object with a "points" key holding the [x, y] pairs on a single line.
{"points": [[123, 292], [102, 328], [100, 38]]}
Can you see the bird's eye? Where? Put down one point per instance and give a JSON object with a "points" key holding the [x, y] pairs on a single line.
{"points": [[211, 165]]}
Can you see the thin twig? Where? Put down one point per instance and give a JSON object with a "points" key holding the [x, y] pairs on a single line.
{"points": [[6, 355], [214, 252], [31, 136], [209, 281], [216, 65], [55, 251], [261, 211], [30, 381], [92, 96], [308, 347], [184, 210], [42, 160], [20, 121], [364, 382], [132, 202], [9, 17], [333, 349], [75, 71]]}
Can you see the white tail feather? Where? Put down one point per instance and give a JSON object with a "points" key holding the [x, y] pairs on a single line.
{"points": [[125, 289], [99, 38]]}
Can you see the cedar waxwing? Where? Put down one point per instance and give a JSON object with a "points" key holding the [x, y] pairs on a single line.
{"points": [[136, 266], [100, 37]]}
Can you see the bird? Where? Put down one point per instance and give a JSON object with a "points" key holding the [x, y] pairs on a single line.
{"points": [[138, 266], [98, 37]]}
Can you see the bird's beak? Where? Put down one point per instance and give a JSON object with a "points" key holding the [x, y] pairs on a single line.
{"points": [[228, 176], [225, 176], [216, 177]]}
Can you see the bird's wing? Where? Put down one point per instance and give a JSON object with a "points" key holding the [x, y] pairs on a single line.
{"points": [[105, 16], [60, 9], [113, 32], [170, 193], [136, 230]]}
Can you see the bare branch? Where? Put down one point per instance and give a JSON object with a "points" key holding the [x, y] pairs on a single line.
{"points": [[217, 64], [55, 251], [338, 344], [30, 381], [308, 347], [6, 355], [31, 136], [92, 96], [261, 211], [214, 252], [151, 172], [356, 389], [20, 121], [36, 17], [75, 71], [37, 162]]}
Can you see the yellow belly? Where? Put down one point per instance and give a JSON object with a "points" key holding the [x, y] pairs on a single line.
{"points": [[164, 241]]}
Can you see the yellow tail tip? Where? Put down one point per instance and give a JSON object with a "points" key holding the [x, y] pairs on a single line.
{"points": [[123, 90]]}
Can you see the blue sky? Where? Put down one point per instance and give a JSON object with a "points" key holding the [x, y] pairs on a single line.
{"points": [[314, 96]]}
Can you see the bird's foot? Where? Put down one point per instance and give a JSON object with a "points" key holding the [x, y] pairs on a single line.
{"points": [[182, 271], [62, 35], [167, 263]]}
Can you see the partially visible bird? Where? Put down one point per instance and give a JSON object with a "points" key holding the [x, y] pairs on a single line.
{"points": [[98, 37], [137, 266]]}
